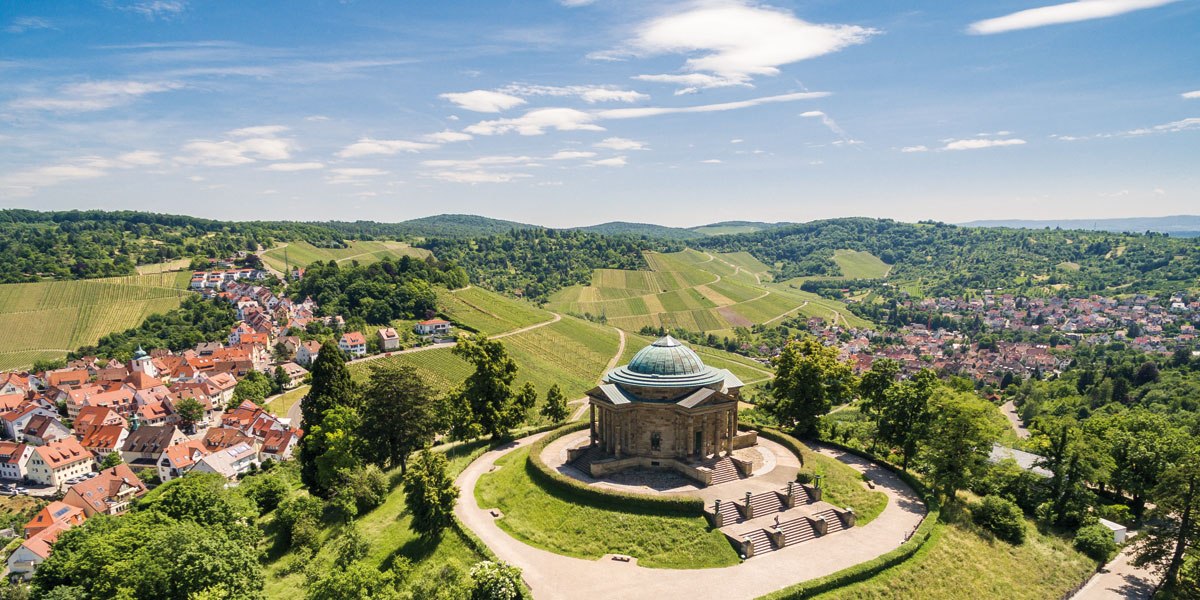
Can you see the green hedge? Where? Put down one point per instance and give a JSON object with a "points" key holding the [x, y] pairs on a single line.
{"points": [[862, 571], [573, 490]]}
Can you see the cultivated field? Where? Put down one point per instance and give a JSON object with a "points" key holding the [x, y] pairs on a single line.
{"points": [[487, 312], [695, 291], [45, 320], [300, 254], [860, 265]]}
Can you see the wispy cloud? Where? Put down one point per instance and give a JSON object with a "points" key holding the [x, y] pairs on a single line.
{"points": [[87, 167], [368, 147], [980, 143], [291, 167], [1172, 127], [23, 24], [733, 42], [443, 137], [619, 143], [588, 93], [616, 161], [825, 120], [484, 101], [251, 145], [479, 176], [1191, 95], [915, 149], [95, 95], [353, 175], [151, 9], [650, 111], [1070, 12], [571, 155]]}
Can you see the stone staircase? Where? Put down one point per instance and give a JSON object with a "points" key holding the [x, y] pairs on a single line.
{"points": [[797, 531], [584, 461], [761, 542], [723, 470], [834, 520], [802, 524]]}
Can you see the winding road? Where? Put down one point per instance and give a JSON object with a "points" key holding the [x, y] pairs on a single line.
{"points": [[556, 577]]}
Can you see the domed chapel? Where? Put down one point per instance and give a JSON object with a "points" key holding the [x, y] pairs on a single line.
{"points": [[665, 409]]}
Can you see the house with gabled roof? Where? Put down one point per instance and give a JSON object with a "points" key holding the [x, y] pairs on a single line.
{"points": [[353, 343], [95, 416], [15, 421], [217, 438], [144, 445], [278, 445], [43, 429], [180, 458], [103, 440], [14, 458], [229, 462], [59, 461], [111, 492], [307, 352], [33, 551], [55, 512]]}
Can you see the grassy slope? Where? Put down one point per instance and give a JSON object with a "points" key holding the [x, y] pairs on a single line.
{"points": [[303, 253], [695, 291], [960, 563], [539, 518], [844, 487], [47, 319], [387, 530], [860, 265], [283, 402]]}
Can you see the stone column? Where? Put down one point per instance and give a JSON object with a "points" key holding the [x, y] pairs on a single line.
{"points": [[690, 436], [592, 428]]}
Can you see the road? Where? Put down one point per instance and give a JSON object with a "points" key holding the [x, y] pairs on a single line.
{"points": [[556, 577], [1010, 412], [1120, 580]]}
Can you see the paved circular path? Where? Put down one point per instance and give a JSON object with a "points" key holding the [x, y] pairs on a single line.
{"points": [[553, 576]]}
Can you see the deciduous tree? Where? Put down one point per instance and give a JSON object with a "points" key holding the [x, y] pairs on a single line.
{"points": [[809, 379], [399, 414], [430, 493], [958, 440], [555, 408], [485, 403]]}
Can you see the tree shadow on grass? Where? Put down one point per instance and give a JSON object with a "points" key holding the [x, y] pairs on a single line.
{"points": [[415, 550]]}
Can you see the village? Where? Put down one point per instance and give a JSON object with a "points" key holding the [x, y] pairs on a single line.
{"points": [[97, 434]]}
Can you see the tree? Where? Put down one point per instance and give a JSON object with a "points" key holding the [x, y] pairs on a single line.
{"points": [[1141, 445], [875, 383], [201, 498], [485, 403], [399, 415], [555, 408], [355, 581], [959, 439], [336, 440], [253, 387], [360, 490], [1173, 532], [1067, 454], [281, 379], [1096, 541], [190, 411], [111, 460], [904, 413], [331, 388], [809, 379], [1000, 516], [495, 581], [430, 493]]}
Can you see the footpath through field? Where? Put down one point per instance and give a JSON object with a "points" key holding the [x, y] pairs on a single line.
{"points": [[1010, 412], [556, 577]]}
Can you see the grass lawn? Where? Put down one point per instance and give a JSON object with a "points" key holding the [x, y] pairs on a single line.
{"points": [[283, 402], [387, 530], [542, 519], [957, 562], [843, 486]]}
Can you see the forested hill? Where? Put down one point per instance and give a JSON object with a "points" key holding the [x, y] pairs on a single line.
{"points": [[949, 260], [445, 226], [85, 244], [642, 229], [1178, 225]]}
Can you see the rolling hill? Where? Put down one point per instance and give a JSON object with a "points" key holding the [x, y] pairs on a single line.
{"points": [[300, 254], [1177, 225]]}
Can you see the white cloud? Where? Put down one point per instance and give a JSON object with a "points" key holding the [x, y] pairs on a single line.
{"points": [[736, 141], [537, 121], [619, 143], [88, 167], [151, 9], [574, 3], [259, 130], [140, 158], [693, 82], [711, 161], [482, 161], [571, 155], [588, 93], [483, 101], [1172, 127], [914, 149], [1193, 94], [353, 175], [295, 166], [443, 137], [478, 176], [651, 111], [1070, 12], [976, 144], [23, 24], [368, 147], [735, 41], [826, 120], [616, 161], [95, 95]]}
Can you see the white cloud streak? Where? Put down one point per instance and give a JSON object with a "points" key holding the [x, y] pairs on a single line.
{"points": [[1191, 95], [369, 147], [619, 143], [294, 166], [484, 101], [978, 144], [94, 95], [1057, 14]]}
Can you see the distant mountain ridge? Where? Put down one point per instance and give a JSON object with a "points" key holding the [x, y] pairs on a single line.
{"points": [[1176, 225]]}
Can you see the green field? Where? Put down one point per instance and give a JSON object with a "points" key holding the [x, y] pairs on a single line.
{"points": [[566, 526], [860, 265], [695, 291], [487, 312], [299, 254], [959, 562], [45, 320]]}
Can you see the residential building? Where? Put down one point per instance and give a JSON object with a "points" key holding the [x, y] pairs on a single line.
{"points": [[55, 512], [145, 444], [180, 458], [43, 429], [110, 492], [14, 459], [278, 445], [58, 461], [353, 343], [103, 440], [388, 339], [228, 462], [295, 373], [33, 551], [432, 327], [307, 352]]}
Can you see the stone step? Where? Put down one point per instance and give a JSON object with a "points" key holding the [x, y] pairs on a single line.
{"points": [[834, 521], [761, 541], [797, 531]]}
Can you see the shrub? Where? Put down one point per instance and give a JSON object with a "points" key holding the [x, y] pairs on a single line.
{"points": [[495, 581], [298, 517], [1117, 513], [1096, 541], [266, 491], [1002, 517]]}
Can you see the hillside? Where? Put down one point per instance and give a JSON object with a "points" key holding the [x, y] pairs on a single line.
{"points": [[1177, 225], [695, 291], [55, 317], [735, 227], [301, 254], [642, 229], [451, 226]]}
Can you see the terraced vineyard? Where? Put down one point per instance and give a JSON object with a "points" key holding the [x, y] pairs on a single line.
{"points": [[299, 254], [487, 312], [860, 265], [45, 320], [696, 291]]}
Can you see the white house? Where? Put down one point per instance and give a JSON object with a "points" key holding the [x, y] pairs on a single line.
{"points": [[432, 327], [59, 461], [228, 462], [14, 458], [307, 352], [353, 343], [388, 339]]}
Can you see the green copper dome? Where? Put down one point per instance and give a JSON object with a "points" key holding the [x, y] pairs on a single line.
{"points": [[666, 363]]}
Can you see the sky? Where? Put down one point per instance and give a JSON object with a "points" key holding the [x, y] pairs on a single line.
{"points": [[575, 112]]}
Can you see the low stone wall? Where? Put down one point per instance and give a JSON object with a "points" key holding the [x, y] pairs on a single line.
{"points": [[745, 439], [601, 468]]}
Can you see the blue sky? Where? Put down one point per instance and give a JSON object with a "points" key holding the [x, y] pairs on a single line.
{"points": [[577, 112]]}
